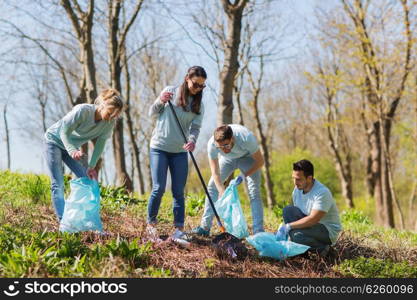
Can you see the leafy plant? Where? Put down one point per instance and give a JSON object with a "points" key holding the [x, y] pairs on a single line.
{"points": [[116, 197], [157, 272], [194, 204], [376, 268], [136, 254], [354, 216]]}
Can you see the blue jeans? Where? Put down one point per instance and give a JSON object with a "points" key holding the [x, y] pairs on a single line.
{"points": [[54, 157], [227, 166], [316, 236], [177, 163]]}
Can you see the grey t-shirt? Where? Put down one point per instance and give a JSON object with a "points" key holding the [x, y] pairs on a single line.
{"points": [[320, 198], [245, 144], [167, 135], [77, 128]]}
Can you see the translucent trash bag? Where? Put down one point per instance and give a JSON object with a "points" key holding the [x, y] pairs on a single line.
{"points": [[230, 211], [82, 208], [267, 245]]}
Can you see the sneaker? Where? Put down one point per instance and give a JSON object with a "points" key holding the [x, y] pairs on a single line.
{"points": [[200, 231], [180, 238], [152, 234]]}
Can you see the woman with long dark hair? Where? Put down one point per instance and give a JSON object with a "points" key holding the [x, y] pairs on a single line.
{"points": [[167, 148]]}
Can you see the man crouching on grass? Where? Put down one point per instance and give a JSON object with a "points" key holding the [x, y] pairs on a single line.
{"points": [[313, 220]]}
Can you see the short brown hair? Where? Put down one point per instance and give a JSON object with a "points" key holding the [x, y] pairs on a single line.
{"points": [[223, 133], [304, 165]]}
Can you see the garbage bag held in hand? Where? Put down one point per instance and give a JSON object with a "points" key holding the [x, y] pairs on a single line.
{"points": [[82, 208], [229, 209], [267, 245]]}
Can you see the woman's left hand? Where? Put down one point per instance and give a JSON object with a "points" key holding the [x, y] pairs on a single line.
{"points": [[190, 146], [92, 173]]}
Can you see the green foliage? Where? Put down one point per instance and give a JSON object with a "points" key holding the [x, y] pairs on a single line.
{"points": [[35, 188], [157, 272], [116, 198], [32, 254], [194, 204], [209, 263], [376, 268], [134, 253], [281, 170], [354, 216], [277, 210]]}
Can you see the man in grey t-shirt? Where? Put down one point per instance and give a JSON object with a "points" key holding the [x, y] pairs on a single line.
{"points": [[234, 147], [313, 220]]}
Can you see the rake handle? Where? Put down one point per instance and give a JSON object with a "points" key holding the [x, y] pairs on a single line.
{"points": [[222, 229]]}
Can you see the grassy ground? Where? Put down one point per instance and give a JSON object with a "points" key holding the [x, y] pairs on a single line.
{"points": [[31, 246]]}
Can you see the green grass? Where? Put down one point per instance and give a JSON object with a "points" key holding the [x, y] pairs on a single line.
{"points": [[25, 253], [362, 267], [30, 246]]}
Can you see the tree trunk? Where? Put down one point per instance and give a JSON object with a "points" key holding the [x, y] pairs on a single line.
{"points": [[6, 128], [256, 89], [238, 91], [375, 169], [234, 13], [83, 25], [338, 142], [148, 167], [133, 138], [115, 48]]}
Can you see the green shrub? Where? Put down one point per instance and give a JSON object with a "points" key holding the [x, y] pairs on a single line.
{"points": [[16, 187], [376, 268], [71, 246], [354, 216], [116, 198], [194, 204], [157, 272], [137, 255], [36, 188]]}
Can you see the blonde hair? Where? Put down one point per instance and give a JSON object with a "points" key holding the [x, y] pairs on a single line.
{"points": [[110, 97]]}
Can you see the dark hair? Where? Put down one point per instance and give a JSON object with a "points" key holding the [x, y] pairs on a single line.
{"points": [[195, 71], [223, 133], [304, 165]]}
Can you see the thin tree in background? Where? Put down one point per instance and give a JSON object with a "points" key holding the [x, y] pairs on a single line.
{"points": [[338, 140], [383, 107], [255, 87], [7, 133], [136, 161], [82, 23], [116, 47], [227, 76]]}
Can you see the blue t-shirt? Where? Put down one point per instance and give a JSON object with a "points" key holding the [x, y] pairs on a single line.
{"points": [[319, 198], [245, 144]]}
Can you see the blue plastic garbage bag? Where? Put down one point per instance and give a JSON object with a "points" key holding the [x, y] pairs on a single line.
{"points": [[267, 245], [230, 211], [82, 208]]}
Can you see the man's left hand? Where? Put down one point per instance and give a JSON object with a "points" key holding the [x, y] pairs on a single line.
{"points": [[282, 232]]}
